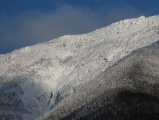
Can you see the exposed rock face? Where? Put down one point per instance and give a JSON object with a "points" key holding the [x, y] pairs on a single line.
{"points": [[41, 77]]}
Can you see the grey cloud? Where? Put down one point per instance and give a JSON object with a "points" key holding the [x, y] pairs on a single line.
{"points": [[34, 26]]}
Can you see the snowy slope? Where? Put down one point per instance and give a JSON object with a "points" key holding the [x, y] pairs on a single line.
{"points": [[39, 76], [128, 90]]}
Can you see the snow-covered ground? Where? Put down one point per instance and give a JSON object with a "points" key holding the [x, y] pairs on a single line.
{"points": [[38, 76]]}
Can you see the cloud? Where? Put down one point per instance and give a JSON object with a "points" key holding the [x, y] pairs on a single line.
{"points": [[35, 26]]}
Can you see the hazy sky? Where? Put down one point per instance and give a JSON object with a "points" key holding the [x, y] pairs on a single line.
{"points": [[27, 22]]}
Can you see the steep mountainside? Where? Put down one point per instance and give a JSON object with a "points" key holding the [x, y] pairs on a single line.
{"points": [[129, 90], [35, 79]]}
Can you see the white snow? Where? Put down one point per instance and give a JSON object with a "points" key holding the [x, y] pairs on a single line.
{"points": [[62, 65]]}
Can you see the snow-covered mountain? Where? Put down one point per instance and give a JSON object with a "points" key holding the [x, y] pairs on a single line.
{"points": [[35, 79], [129, 90]]}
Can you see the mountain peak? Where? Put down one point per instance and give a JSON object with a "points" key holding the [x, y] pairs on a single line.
{"points": [[42, 75]]}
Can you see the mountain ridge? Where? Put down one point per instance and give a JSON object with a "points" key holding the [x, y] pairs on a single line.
{"points": [[59, 67]]}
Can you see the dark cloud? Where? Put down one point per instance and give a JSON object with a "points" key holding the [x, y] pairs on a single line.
{"points": [[34, 26]]}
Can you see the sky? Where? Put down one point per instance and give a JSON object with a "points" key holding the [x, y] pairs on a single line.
{"points": [[28, 22]]}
